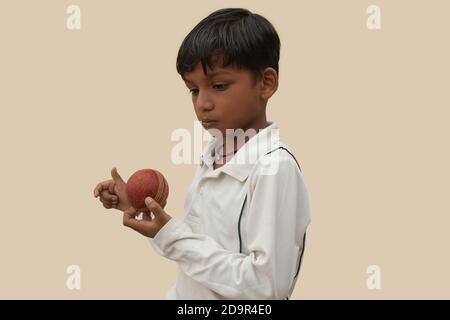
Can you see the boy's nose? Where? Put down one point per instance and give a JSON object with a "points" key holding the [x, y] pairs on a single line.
{"points": [[204, 103]]}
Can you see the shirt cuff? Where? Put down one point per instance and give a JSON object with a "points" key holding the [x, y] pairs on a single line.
{"points": [[169, 233]]}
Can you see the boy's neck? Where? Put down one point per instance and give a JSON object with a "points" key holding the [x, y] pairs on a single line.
{"points": [[235, 143]]}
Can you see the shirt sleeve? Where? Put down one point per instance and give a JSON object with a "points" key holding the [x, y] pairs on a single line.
{"points": [[278, 216]]}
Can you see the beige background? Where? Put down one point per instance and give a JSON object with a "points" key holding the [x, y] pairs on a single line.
{"points": [[365, 113]]}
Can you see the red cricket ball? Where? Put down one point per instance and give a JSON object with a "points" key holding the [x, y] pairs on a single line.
{"points": [[144, 183]]}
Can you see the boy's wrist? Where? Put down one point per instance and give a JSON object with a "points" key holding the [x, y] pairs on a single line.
{"points": [[170, 232], [162, 229]]}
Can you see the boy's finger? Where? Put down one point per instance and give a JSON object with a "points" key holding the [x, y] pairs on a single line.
{"points": [[111, 187], [101, 186], [108, 196], [107, 205], [109, 200], [140, 226], [154, 207], [131, 212], [128, 221], [116, 176], [97, 190], [129, 218], [146, 216], [110, 203]]}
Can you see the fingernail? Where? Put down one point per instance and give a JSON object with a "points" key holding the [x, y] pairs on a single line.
{"points": [[148, 200]]}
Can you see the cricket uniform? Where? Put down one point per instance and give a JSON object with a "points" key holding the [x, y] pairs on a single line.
{"points": [[244, 229]]}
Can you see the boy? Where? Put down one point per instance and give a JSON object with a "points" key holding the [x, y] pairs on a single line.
{"points": [[245, 222]]}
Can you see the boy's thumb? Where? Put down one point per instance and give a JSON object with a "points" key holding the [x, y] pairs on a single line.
{"points": [[153, 206], [116, 176]]}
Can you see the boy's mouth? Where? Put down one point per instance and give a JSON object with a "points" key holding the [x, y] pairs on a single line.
{"points": [[209, 123]]}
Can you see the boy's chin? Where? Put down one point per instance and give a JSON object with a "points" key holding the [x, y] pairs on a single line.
{"points": [[215, 131]]}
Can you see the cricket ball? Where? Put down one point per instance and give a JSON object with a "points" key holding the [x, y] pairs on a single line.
{"points": [[147, 183]]}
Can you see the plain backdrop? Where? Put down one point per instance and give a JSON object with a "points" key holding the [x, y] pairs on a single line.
{"points": [[364, 111]]}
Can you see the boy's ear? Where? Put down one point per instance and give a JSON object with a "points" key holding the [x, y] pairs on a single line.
{"points": [[268, 82]]}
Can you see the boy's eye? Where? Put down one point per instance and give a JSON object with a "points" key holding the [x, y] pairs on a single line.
{"points": [[220, 86], [193, 91]]}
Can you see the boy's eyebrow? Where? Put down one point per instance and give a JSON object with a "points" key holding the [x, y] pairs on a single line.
{"points": [[211, 74]]}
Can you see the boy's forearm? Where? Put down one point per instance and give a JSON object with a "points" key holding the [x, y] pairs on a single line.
{"points": [[230, 274]]}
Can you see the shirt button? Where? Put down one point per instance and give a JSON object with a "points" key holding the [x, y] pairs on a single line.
{"points": [[201, 191]]}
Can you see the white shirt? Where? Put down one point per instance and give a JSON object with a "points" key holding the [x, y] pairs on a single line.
{"points": [[243, 233]]}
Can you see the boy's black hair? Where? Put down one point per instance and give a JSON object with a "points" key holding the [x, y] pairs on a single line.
{"points": [[242, 38]]}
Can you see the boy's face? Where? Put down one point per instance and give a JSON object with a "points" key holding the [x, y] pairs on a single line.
{"points": [[229, 97]]}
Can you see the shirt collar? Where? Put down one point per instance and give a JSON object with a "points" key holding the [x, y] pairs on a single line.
{"points": [[247, 156]]}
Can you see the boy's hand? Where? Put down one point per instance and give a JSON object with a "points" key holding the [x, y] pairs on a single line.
{"points": [[112, 192], [147, 226]]}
